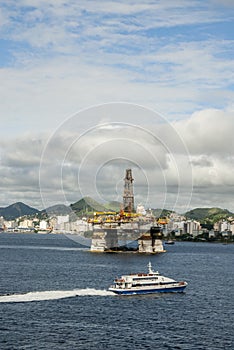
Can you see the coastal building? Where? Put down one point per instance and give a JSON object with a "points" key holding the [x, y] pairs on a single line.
{"points": [[58, 222], [10, 225], [178, 227], [223, 226], [192, 227], [216, 226], [26, 223], [43, 225], [62, 219], [141, 210], [232, 227], [2, 224]]}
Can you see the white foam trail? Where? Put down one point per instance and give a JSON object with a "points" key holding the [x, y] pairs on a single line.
{"points": [[51, 295], [40, 247]]}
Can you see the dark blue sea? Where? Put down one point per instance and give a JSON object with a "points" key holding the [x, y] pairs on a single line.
{"points": [[53, 295]]}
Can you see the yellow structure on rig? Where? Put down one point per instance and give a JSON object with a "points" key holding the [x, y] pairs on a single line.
{"points": [[162, 221], [102, 217]]}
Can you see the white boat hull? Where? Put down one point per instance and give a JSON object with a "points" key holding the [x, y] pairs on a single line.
{"points": [[158, 289]]}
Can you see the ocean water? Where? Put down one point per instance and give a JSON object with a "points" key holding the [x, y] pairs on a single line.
{"points": [[54, 295]]}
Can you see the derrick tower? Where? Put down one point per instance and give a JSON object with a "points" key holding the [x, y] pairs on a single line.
{"points": [[128, 196]]}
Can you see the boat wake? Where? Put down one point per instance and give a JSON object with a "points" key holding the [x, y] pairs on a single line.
{"points": [[52, 295]]}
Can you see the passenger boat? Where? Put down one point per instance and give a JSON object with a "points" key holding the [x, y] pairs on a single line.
{"points": [[146, 283]]}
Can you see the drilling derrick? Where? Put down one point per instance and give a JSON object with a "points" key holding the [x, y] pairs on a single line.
{"points": [[128, 196]]}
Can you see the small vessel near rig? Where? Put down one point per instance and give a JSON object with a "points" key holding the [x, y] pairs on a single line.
{"points": [[146, 283]]}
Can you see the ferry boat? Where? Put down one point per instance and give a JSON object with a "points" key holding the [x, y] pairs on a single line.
{"points": [[146, 283]]}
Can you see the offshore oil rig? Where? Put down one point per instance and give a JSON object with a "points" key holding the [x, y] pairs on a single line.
{"points": [[126, 230]]}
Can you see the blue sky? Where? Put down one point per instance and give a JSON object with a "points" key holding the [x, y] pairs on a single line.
{"points": [[61, 57]]}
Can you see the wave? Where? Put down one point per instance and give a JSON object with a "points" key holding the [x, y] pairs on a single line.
{"points": [[52, 295]]}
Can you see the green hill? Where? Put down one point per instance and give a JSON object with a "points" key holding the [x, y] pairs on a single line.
{"points": [[58, 209], [114, 206], [160, 213], [208, 215], [87, 205]]}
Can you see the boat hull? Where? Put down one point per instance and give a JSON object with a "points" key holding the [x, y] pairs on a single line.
{"points": [[179, 289]]}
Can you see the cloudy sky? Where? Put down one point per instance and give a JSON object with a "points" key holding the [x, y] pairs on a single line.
{"points": [[90, 88]]}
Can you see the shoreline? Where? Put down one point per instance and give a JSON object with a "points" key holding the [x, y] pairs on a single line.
{"points": [[191, 240]]}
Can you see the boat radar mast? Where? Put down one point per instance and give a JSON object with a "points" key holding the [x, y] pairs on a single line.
{"points": [[150, 271]]}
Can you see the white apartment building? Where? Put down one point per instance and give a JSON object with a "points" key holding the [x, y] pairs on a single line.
{"points": [[43, 225], [26, 223]]}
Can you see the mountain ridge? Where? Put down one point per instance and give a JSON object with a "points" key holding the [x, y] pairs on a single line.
{"points": [[16, 210], [87, 205]]}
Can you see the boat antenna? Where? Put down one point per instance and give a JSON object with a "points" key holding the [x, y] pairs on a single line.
{"points": [[150, 267]]}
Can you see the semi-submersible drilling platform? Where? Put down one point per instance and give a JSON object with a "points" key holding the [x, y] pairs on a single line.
{"points": [[118, 231]]}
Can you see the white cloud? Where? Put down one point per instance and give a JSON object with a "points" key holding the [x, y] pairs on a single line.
{"points": [[208, 135], [79, 159], [209, 132], [82, 162]]}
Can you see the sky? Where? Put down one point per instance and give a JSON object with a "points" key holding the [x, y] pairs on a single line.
{"points": [[91, 88]]}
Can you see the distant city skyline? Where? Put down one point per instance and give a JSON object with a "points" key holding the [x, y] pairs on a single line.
{"points": [[90, 89]]}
